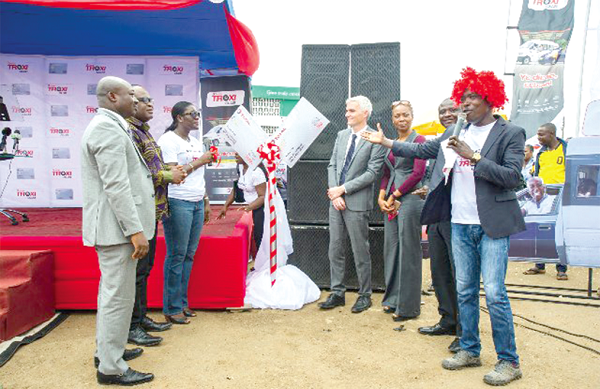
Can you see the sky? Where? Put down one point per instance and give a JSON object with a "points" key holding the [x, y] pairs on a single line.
{"points": [[437, 39]]}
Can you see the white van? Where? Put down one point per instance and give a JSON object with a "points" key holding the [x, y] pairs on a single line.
{"points": [[536, 51]]}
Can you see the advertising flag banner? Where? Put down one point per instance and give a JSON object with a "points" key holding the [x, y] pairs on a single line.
{"points": [[545, 28]]}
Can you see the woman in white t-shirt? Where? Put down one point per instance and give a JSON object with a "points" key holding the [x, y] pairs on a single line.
{"points": [[189, 209], [292, 288], [254, 186]]}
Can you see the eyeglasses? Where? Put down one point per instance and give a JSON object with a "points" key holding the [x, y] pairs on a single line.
{"points": [[145, 100], [401, 102], [193, 114]]}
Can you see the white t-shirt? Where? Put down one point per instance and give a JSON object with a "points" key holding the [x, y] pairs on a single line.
{"points": [[464, 199], [543, 208], [177, 150], [248, 182]]}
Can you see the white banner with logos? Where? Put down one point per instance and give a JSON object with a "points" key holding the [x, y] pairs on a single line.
{"points": [[51, 100]]}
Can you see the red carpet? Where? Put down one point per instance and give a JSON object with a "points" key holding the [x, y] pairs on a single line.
{"points": [[218, 278]]}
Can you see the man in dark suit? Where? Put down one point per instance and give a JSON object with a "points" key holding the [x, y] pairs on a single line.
{"points": [[479, 199], [440, 249], [352, 170]]}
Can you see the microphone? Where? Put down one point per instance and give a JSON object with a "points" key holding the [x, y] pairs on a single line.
{"points": [[207, 143], [16, 136], [459, 124], [5, 133]]}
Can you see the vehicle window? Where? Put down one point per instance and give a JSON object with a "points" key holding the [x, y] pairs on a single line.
{"points": [[587, 180]]}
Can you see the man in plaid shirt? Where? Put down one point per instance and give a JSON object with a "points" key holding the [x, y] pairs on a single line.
{"points": [[162, 175]]}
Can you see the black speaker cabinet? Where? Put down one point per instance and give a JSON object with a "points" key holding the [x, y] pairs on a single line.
{"points": [[311, 245], [307, 195], [376, 75], [325, 84]]}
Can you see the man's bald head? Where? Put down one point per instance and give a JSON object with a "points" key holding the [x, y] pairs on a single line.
{"points": [[547, 135], [448, 113], [116, 94], [145, 106]]}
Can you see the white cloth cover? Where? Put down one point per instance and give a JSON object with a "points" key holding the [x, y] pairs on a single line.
{"points": [[292, 288]]}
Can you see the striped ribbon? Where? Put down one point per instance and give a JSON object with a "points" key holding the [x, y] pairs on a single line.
{"points": [[270, 153]]}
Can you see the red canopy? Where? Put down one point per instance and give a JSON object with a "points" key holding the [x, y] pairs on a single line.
{"points": [[110, 5], [208, 41]]}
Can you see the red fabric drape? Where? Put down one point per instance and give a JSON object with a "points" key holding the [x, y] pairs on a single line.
{"points": [[114, 5], [244, 45]]}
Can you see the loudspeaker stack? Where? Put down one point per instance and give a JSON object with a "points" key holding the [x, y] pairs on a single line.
{"points": [[331, 74]]}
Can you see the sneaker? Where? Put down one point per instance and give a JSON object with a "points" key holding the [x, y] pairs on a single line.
{"points": [[504, 372], [460, 360], [562, 276]]}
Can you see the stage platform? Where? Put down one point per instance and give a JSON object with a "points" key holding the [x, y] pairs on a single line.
{"points": [[218, 277]]}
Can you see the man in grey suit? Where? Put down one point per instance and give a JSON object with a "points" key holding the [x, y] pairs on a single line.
{"points": [[352, 170], [118, 219], [481, 203]]}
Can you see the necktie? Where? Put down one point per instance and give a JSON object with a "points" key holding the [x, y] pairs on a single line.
{"points": [[348, 159]]}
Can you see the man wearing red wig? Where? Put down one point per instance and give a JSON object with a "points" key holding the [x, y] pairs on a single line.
{"points": [[480, 201]]}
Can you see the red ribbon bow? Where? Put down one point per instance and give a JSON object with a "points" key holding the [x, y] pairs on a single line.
{"points": [[217, 156], [271, 153]]}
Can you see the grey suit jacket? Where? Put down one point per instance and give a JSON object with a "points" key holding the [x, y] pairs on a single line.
{"points": [[364, 168], [497, 174], [118, 194]]}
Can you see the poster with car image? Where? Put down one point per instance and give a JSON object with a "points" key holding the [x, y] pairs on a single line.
{"points": [[545, 29]]}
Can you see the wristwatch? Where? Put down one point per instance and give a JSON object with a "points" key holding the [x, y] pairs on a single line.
{"points": [[475, 158]]}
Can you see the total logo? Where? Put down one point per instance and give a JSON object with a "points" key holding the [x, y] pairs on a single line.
{"points": [[98, 69], [543, 5], [90, 109], [22, 110], [21, 68], [175, 69], [229, 98], [60, 131], [28, 194], [24, 153], [60, 89], [62, 173]]}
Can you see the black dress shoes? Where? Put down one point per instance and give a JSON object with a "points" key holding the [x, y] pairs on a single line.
{"points": [[437, 329], [362, 304], [128, 355], [142, 338], [455, 346], [334, 300], [129, 378], [150, 325]]}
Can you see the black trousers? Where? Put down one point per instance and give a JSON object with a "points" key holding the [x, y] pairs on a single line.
{"points": [[443, 274], [142, 271], [258, 218]]}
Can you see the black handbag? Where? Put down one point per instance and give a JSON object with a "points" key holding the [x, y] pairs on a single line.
{"points": [[437, 207]]}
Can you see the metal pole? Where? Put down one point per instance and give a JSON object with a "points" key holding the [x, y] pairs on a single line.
{"points": [[580, 82], [590, 275]]}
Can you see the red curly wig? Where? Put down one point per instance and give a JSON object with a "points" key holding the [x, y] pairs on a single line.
{"points": [[484, 83]]}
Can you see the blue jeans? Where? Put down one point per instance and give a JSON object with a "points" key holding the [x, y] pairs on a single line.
{"points": [[477, 255], [182, 234], [559, 267]]}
